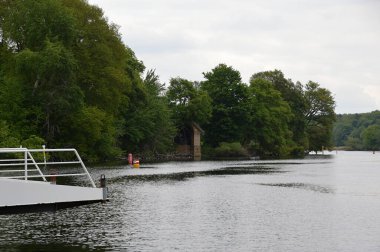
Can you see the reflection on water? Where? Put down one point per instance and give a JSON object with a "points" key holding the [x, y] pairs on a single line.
{"points": [[191, 174], [309, 187], [316, 204], [49, 247]]}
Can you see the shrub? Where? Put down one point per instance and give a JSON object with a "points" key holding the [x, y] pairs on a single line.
{"points": [[230, 150]]}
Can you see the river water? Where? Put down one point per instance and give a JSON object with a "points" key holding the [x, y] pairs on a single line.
{"points": [[327, 202]]}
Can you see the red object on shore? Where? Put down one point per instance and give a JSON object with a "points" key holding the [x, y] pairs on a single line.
{"points": [[130, 159], [53, 178]]}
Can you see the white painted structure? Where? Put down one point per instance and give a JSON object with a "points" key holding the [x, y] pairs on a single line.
{"points": [[14, 192], [18, 166]]}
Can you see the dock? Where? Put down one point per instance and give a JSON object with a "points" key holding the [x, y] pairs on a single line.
{"points": [[24, 187]]}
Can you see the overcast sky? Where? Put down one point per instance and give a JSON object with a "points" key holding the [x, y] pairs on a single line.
{"points": [[333, 42]]}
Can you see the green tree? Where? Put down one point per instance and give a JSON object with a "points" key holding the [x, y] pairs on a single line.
{"points": [[340, 133], [51, 92], [148, 125], [353, 143], [34, 38], [371, 137], [230, 114], [29, 23], [293, 94], [319, 116], [93, 133], [188, 103], [162, 132], [270, 117], [348, 129], [108, 70], [64, 61], [6, 139]]}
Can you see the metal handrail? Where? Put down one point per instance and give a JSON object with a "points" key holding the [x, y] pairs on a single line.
{"points": [[9, 171], [54, 175], [28, 160], [41, 163]]}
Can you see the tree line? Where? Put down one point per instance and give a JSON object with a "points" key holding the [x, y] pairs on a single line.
{"points": [[68, 80], [358, 131]]}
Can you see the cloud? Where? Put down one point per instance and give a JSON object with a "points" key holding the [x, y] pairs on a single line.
{"points": [[334, 43]]}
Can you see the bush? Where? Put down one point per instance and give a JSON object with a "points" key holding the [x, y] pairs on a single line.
{"points": [[230, 150], [296, 151], [33, 142], [6, 139]]}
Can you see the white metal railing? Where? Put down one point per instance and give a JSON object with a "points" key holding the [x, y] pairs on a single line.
{"points": [[29, 164]]}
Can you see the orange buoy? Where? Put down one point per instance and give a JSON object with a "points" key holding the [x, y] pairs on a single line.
{"points": [[136, 163]]}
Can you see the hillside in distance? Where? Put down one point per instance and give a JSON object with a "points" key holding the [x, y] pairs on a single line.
{"points": [[357, 131]]}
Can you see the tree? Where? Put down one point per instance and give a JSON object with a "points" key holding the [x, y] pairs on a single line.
{"points": [[230, 114], [340, 133], [270, 117], [29, 23], [35, 37], [292, 94], [349, 128], [6, 139], [188, 103], [63, 61], [108, 71], [319, 116], [371, 137], [149, 127], [48, 77], [153, 84]]}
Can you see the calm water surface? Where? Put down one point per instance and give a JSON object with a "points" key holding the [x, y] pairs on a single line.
{"points": [[322, 203]]}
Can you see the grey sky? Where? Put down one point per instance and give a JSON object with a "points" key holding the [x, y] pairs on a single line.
{"points": [[333, 42]]}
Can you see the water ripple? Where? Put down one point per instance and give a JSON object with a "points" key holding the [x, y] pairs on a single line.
{"points": [[180, 176], [308, 187]]}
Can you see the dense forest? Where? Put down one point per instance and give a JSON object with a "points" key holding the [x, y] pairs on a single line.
{"points": [[68, 80], [358, 131]]}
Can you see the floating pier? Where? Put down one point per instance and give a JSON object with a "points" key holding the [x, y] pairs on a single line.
{"points": [[24, 187]]}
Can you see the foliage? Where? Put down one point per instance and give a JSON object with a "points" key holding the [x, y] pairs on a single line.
{"points": [[230, 150], [189, 103], [229, 105], [293, 94], [66, 77], [320, 116], [53, 94], [29, 23], [153, 84], [108, 70], [148, 126], [6, 139], [349, 129], [68, 80], [270, 118], [33, 142], [312, 111], [371, 137], [93, 134]]}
